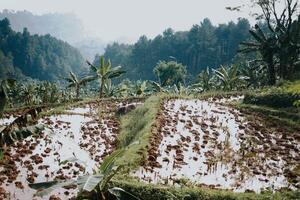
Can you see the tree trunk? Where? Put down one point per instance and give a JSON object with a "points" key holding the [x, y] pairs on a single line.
{"points": [[3, 101], [77, 92], [101, 88], [271, 69], [272, 74]]}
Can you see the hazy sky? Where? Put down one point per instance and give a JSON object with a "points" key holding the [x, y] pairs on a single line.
{"points": [[128, 19]]}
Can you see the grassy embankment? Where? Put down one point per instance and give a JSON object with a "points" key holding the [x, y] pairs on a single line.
{"points": [[135, 134], [275, 105]]}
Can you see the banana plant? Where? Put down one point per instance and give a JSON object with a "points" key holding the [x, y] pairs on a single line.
{"points": [[297, 103], [5, 85], [205, 79], [253, 75], [228, 76], [28, 93], [156, 87], [75, 82], [97, 185], [267, 46], [105, 72], [139, 88], [112, 91], [180, 90], [48, 92]]}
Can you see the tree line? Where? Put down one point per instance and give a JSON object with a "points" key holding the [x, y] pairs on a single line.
{"points": [[202, 46], [39, 57]]}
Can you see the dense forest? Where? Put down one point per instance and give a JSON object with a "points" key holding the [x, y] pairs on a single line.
{"points": [[38, 57], [67, 27], [204, 45]]}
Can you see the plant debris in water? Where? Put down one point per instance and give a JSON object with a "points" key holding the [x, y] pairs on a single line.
{"points": [[74, 145], [213, 145]]}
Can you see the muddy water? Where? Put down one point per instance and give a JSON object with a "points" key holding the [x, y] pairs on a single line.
{"points": [[7, 120], [213, 146], [75, 145]]}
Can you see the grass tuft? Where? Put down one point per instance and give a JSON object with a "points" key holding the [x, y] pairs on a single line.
{"points": [[136, 131]]}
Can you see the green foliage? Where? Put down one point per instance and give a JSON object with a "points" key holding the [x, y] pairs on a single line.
{"points": [[136, 131], [229, 77], [224, 78], [274, 97], [105, 72], [39, 57], [296, 103], [294, 87], [5, 85], [139, 88], [35, 93], [75, 82], [201, 46], [279, 43], [96, 185], [205, 80], [149, 192], [170, 73]]}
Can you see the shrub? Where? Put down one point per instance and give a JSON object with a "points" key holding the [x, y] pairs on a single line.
{"points": [[277, 98]]}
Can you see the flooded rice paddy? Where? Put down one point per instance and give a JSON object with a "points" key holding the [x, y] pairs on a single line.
{"points": [[205, 142], [73, 144], [215, 146]]}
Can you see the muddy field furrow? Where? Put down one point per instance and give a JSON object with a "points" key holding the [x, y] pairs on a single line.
{"points": [[213, 145], [73, 145]]}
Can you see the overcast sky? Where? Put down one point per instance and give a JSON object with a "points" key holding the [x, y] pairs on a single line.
{"points": [[128, 19]]}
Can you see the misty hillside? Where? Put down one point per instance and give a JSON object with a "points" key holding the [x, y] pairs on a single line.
{"points": [[38, 57], [66, 27]]}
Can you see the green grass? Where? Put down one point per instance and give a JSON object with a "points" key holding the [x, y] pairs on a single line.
{"points": [[284, 117], [136, 131], [294, 87], [149, 192], [220, 94]]}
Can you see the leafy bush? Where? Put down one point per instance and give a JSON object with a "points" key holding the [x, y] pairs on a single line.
{"points": [[277, 98]]}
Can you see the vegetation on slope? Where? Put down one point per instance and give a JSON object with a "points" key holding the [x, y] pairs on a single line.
{"points": [[38, 57], [203, 45], [136, 129]]}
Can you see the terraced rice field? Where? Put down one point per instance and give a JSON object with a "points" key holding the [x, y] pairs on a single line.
{"points": [[213, 145], [205, 142], [73, 144]]}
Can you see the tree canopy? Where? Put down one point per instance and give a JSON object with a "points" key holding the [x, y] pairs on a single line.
{"points": [[204, 45], [170, 73], [38, 57]]}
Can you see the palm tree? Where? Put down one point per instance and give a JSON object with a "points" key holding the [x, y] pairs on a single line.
{"points": [[105, 72], [74, 81]]}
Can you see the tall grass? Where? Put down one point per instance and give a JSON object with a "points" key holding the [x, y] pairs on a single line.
{"points": [[136, 131]]}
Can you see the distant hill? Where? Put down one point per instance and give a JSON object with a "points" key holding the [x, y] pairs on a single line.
{"points": [[39, 57], [66, 27]]}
